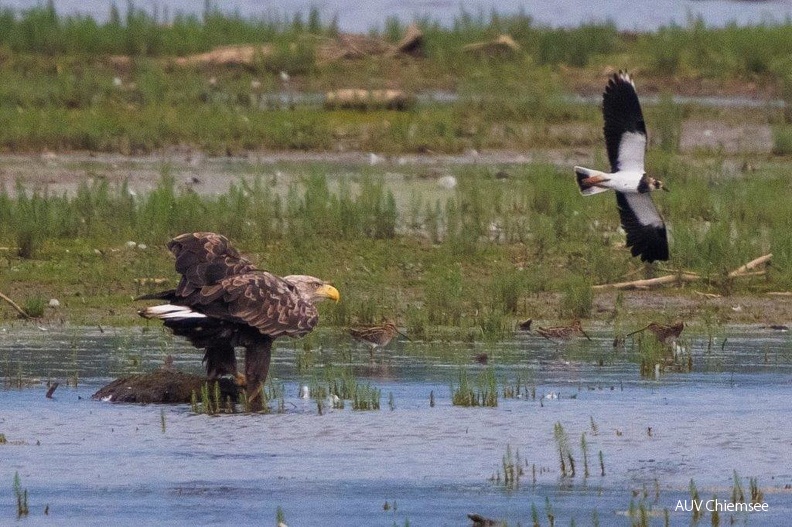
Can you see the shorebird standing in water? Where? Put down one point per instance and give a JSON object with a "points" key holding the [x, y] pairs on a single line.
{"points": [[376, 336], [625, 142], [525, 325], [663, 332], [563, 332]]}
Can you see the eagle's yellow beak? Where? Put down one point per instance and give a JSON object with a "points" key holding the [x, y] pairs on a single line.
{"points": [[328, 291]]}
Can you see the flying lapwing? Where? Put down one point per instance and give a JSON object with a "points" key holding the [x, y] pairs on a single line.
{"points": [[625, 142]]}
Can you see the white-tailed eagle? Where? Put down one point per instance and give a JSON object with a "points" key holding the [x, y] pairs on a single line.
{"points": [[223, 301]]}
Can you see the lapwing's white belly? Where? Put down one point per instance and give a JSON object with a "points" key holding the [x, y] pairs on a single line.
{"points": [[625, 181]]}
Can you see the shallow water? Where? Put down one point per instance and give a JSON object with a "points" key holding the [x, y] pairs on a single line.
{"points": [[94, 463]]}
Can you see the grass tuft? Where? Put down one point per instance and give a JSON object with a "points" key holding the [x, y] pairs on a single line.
{"points": [[484, 393], [21, 497]]}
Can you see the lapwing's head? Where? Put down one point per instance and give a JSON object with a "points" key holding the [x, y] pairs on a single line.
{"points": [[656, 184]]}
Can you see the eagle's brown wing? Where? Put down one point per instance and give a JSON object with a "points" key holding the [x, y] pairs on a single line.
{"points": [[259, 300], [205, 258]]}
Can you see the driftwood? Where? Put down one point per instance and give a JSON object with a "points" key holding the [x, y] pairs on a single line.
{"points": [[360, 99], [743, 271], [503, 45], [52, 388], [344, 46], [707, 295], [14, 305], [241, 55], [651, 282], [740, 271]]}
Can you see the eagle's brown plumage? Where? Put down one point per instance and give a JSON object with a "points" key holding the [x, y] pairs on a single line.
{"points": [[223, 301]]}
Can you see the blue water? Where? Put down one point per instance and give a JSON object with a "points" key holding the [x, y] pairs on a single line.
{"points": [[96, 463], [360, 16]]}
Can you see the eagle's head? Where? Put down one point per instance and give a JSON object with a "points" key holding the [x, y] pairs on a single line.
{"points": [[312, 289]]}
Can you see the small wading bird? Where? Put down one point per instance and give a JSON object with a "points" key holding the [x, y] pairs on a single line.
{"points": [[224, 301], [525, 325], [376, 336], [663, 332], [625, 142], [562, 332]]}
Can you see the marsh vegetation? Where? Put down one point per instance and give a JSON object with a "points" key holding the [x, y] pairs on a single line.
{"points": [[508, 241], [128, 85], [477, 258]]}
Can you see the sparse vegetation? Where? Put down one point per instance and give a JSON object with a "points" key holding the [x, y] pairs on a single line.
{"points": [[21, 497], [123, 85], [567, 462], [484, 393], [695, 498], [34, 306], [390, 268], [512, 467], [517, 238]]}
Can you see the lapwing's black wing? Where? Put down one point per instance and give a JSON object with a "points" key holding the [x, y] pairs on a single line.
{"points": [[625, 130], [646, 232]]}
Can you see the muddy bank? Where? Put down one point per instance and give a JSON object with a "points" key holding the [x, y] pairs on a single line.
{"points": [[194, 171]]}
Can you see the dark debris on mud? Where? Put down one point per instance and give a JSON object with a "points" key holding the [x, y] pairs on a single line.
{"points": [[167, 386]]}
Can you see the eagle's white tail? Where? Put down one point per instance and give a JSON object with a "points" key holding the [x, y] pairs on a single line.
{"points": [[170, 311], [587, 180]]}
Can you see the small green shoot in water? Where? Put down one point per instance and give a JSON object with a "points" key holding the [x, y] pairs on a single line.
{"points": [[694, 496], [21, 497], [486, 393], [550, 514], [602, 463], [738, 496], [757, 496], [512, 468], [584, 448], [565, 454]]}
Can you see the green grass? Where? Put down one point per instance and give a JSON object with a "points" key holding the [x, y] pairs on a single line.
{"points": [[64, 87], [512, 467], [518, 241], [373, 239], [34, 306], [483, 393], [21, 497]]}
